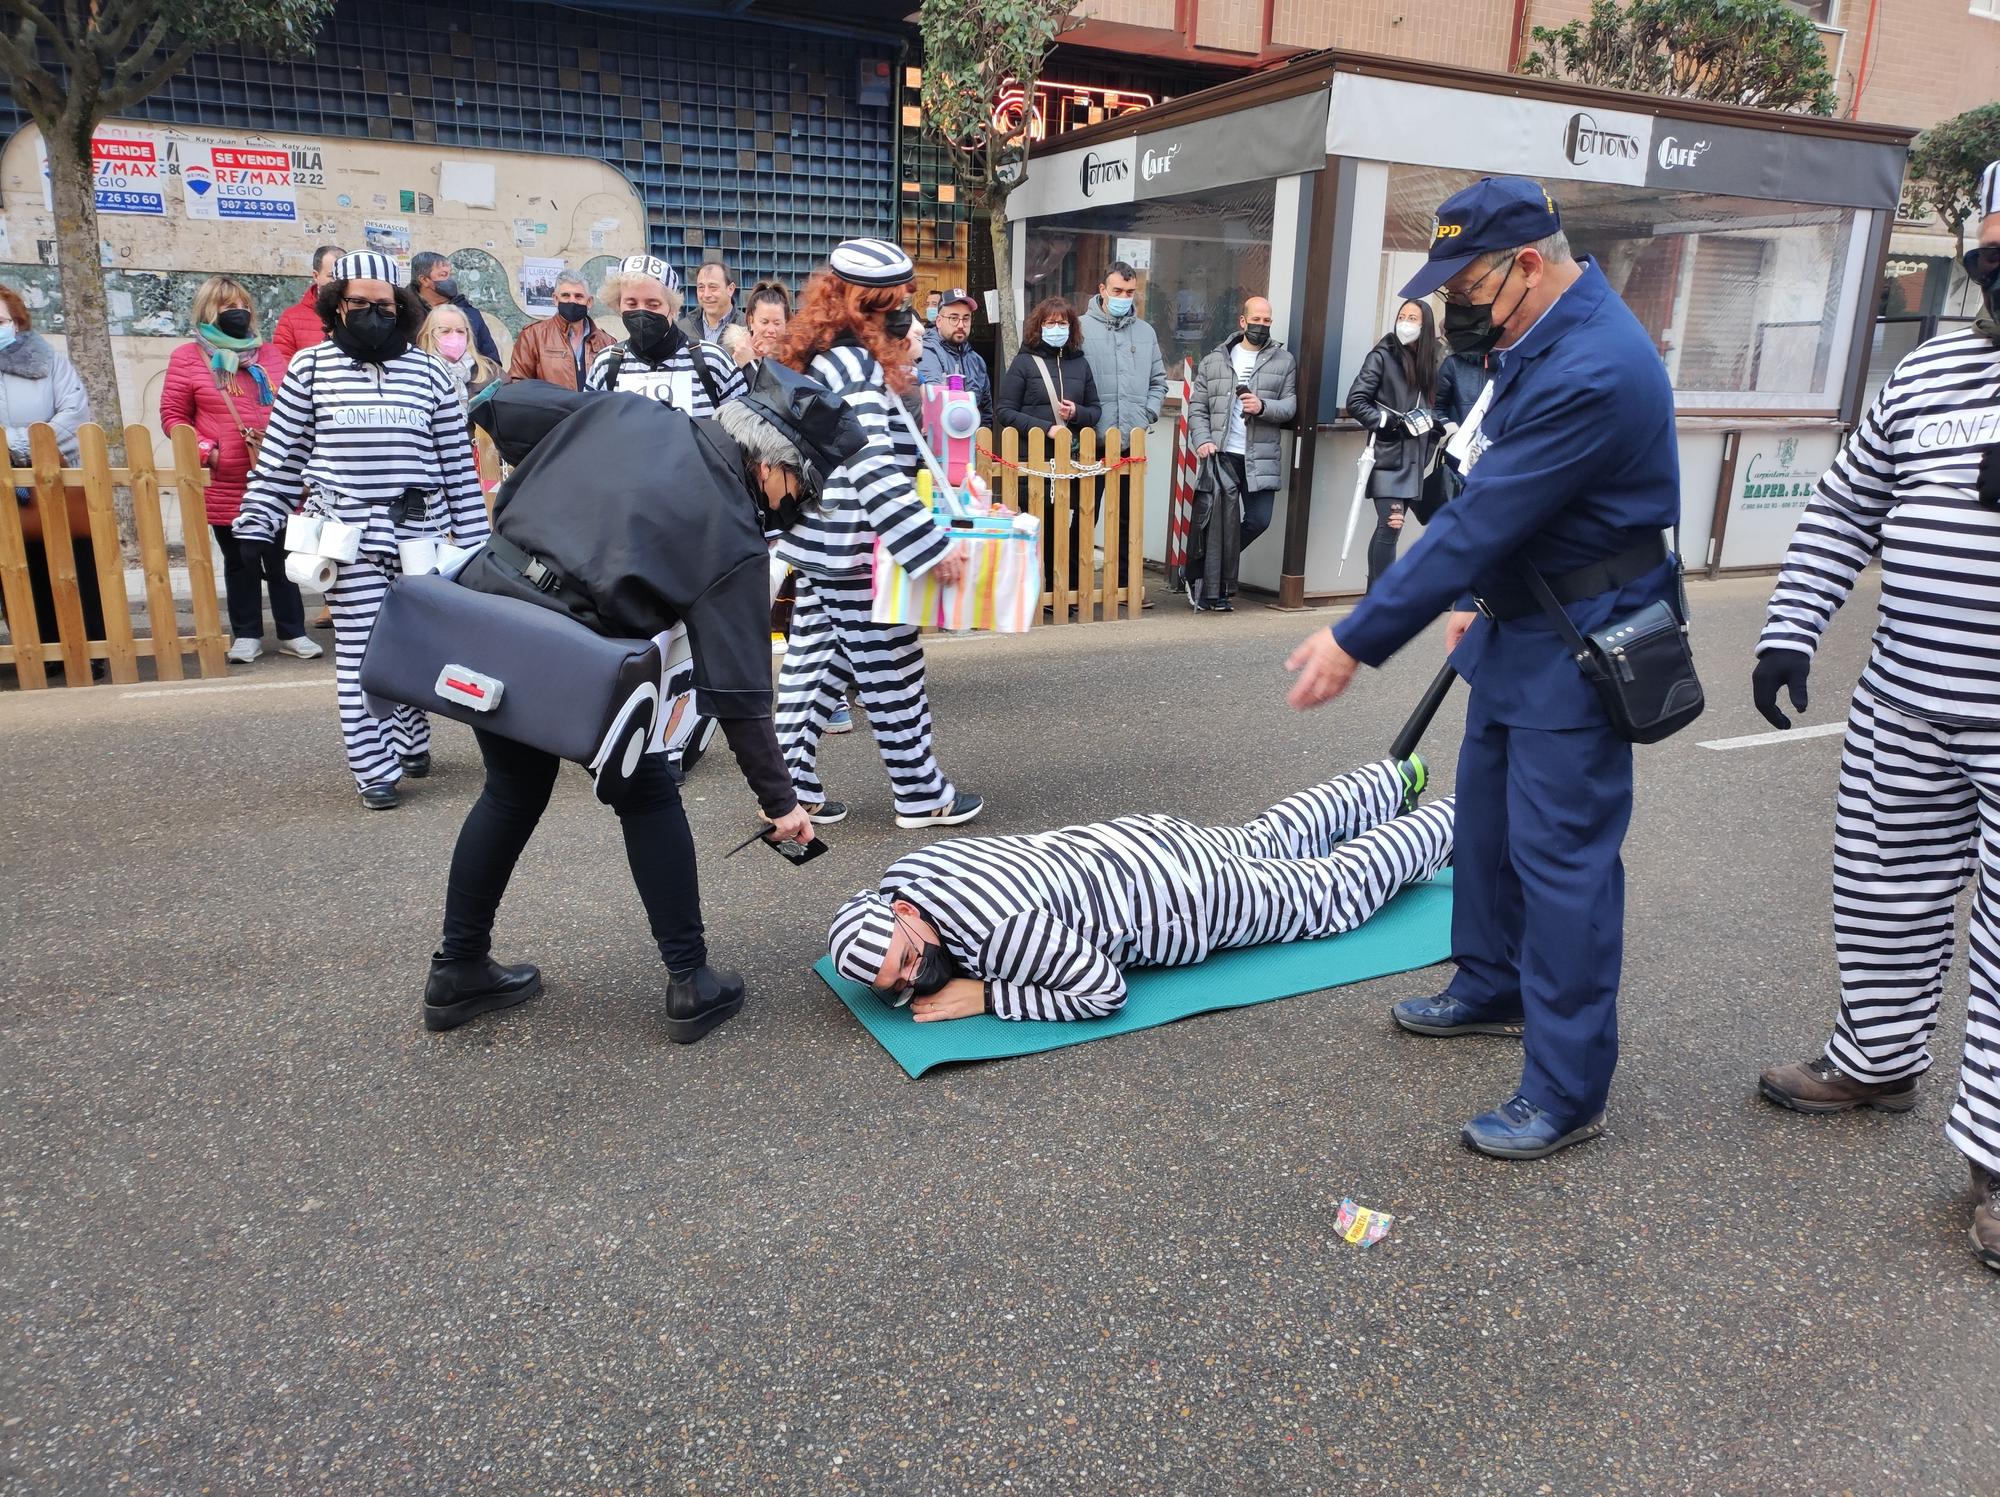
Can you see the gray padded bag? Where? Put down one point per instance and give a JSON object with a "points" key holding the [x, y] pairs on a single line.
{"points": [[563, 689]]}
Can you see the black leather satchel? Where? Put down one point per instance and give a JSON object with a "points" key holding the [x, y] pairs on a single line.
{"points": [[1641, 665]]}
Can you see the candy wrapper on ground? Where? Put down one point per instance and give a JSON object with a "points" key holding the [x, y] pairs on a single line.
{"points": [[1360, 1225]]}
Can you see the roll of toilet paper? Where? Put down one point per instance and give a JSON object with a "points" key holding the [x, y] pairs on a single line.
{"points": [[302, 533], [339, 541], [314, 572], [418, 556], [451, 559]]}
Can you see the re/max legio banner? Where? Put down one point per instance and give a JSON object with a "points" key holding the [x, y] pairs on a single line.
{"points": [[1421, 124]]}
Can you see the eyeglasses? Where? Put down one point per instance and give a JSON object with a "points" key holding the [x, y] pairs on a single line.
{"points": [[356, 304], [1981, 261], [906, 970], [1464, 298], [954, 319]]}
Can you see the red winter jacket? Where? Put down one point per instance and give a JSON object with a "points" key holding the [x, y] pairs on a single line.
{"points": [[299, 325], [191, 397]]}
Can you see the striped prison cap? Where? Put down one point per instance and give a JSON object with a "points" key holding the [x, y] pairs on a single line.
{"points": [[368, 265], [1989, 191], [872, 262], [653, 266], [858, 939]]}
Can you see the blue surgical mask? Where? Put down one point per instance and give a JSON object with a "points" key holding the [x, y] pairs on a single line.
{"points": [[8, 335], [1118, 306], [1056, 335]]}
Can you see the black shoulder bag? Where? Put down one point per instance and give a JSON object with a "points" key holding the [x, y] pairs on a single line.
{"points": [[1641, 665]]}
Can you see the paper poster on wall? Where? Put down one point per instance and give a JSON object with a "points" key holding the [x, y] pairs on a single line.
{"points": [[1137, 253], [524, 233], [538, 284], [129, 169], [467, 182], [386, 236], [598, 230], [237, 182]]}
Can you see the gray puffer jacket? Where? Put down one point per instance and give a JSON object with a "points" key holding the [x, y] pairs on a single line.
{"points": [[1274, 380], [39, 384], [1125, 361]]}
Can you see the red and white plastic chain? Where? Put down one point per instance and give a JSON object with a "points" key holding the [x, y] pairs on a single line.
{"points": [[1096, 470]]}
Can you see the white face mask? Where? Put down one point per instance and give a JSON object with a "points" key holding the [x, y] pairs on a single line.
{"points": [[1406, 332]]}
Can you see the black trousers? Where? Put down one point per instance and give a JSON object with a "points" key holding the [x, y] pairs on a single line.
{"points": [[44, 592], [1257, 504], [658, 846], [1382, 545], [246, 572]]}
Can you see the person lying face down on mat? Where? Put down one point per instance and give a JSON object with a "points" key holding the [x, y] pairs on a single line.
{"points": [[631, 517], [1043, 925]]}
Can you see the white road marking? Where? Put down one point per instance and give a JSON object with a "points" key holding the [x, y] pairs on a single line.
{"points": [[1784, 735], [188, 691]]}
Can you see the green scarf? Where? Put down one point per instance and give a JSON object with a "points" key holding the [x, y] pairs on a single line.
{"points": [[225, 357]]}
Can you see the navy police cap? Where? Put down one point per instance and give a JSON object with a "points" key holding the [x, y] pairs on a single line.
{"points": [[1494, 213]]}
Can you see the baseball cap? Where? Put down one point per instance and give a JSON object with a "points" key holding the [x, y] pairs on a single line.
{"points": [[958, 296], [1494, 213]]}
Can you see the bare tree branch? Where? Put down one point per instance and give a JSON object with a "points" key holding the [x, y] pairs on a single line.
{"points": [[38, 88], [32, 15], [133, 82]]}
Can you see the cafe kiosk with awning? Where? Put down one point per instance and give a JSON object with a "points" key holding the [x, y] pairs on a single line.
{"points": [[1749, 244]]}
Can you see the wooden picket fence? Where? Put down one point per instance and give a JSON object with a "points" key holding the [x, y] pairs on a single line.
{"points": [[94, 483], [1049, 479]]}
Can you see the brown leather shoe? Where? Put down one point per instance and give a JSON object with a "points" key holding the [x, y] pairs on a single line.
{"points": [[1986, 1216], [1821, 1086]]}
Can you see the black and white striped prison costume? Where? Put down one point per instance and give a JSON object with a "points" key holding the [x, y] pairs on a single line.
{"points": [[354, 436], [1051, 920], [673, 381], [833, 642], [1919, 800]]}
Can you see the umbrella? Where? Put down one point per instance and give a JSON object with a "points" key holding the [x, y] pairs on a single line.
{"points": [[1361, 471]]}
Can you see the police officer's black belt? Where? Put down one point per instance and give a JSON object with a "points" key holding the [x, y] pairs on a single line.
{"points": [[530, 568], [1515, 600]]}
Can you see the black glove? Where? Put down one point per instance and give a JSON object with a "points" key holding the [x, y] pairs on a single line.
{"points": [[1777, 668]]}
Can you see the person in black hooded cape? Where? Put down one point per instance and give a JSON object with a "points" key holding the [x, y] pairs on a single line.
{"points": [[630, 517]]}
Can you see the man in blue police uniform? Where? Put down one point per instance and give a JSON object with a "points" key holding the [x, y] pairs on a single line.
{"points": [[1570, 465]]}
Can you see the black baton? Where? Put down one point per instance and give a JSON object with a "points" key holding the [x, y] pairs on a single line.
{"points": [[1427, 708]]}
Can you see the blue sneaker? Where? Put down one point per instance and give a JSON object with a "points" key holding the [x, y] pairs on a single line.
{"points": [[1442, 1014], [1518, 1129], [842, 720]]}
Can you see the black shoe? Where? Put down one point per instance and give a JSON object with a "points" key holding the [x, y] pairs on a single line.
{"points": [[459, 990], [382, 797], [1222, 605], [417, 766], [697, 1001]]}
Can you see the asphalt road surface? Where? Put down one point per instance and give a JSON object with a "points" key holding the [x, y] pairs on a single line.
{"points": [[263, 1233]]}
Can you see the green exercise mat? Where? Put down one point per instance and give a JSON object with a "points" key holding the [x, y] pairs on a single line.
{"points": [[1413, 930]]}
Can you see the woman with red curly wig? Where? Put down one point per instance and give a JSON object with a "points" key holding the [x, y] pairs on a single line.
{"points": [[851, 333]]}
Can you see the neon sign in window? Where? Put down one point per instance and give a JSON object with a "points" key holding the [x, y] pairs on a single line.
{"points": [[1062, 107]]}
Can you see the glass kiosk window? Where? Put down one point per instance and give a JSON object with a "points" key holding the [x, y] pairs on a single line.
{"points": [[1749, 302], [1197, 258]]}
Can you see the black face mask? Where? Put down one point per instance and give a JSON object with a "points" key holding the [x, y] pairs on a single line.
{"points": [[372, 336], [933, 971], [898, 323], [572, 311], [1472, 330], [651, 334], [235, 322], [785, 513], [447, 288], [1257, 334]]}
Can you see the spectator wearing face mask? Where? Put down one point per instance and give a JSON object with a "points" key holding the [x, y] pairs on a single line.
{"points": [[1049, 387], [656, 359], [448, 334], [560, 349], [222, 383], [1124, 354], [1394, 397], [436, 282], [1245, 394], [948, 350]]}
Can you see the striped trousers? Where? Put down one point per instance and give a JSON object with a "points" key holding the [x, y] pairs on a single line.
{"points": [[1918, 810], [834, 643], [373, 744], [1317, 863]]}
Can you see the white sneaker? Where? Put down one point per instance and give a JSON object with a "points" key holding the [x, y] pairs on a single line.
{"points": [[302, 647], [243, 651]]}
